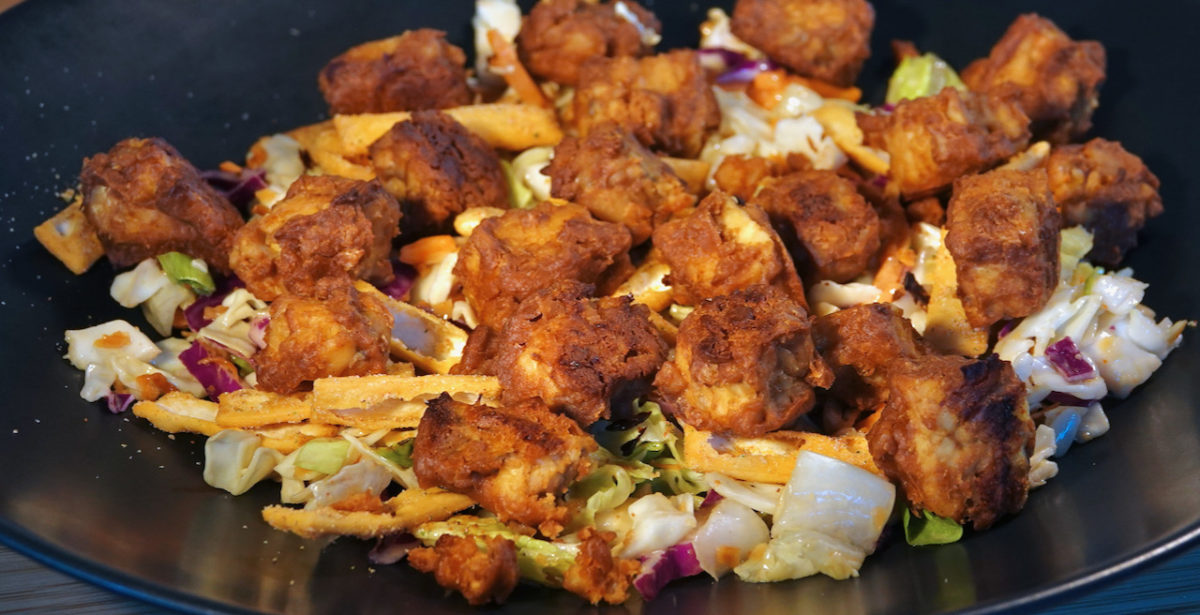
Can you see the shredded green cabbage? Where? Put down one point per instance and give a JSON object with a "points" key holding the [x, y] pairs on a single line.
{"points": [[324, 455], [540, 561], [183, 269], [923, 75]]}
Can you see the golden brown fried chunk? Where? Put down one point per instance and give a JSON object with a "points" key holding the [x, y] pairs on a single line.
{"points": [[1055, 80], [720, 247], [508, 258], [515, 460], [558, 35], [744, 364], [740, 175], [481, 574], [825, 39], [334, 332], [595, 574], [416, 70], [830, 230], [145, 199], [437, 169], [326, 226], [664, 100], [1107, 190], [1003, 231], [617, 179], [861, 344], [936, 139], [575, 353], [956, 434]]}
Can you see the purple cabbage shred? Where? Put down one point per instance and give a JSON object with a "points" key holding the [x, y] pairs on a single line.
{"points": [[239, 188], [1064, 355]]}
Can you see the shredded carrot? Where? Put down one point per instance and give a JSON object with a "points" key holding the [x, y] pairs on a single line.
{"points": [[504, 62], [766, 88], [230, 167], [117, 339], [427, 250]]}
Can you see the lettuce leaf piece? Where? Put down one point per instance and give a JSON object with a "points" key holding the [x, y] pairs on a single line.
{"points": [[923, 75], [399, 453], [183, 269], [540, 561], [930, 529], [650, 450], [324, 455]]}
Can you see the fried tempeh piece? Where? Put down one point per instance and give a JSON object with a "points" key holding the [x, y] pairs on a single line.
{"points": [[558, 35], [861, 344], [515, 460], [415, 70], [957, 435], [482, 569], [825, 39], [1108, 191], [1003, 230], [744, 364], [1056, 80]]}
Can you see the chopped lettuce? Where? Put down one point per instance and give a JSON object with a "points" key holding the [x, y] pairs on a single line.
{"points": [[324, 455], [540, 561], [399, 453], [923, 75], [183, 269], [930, 529], [652, 444]]}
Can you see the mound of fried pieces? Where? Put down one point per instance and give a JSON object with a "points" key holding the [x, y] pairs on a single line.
{"points": [[644, 273]]}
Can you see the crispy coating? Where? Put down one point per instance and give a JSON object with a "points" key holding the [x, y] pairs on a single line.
{"points": [[145, 199], [936, 139], [664, 100], [326, 226], [1055, 80], [575, 353], [830, 230], [956, 434], [508, 258], [437, 169], [861, 344], [719, 247], [744, 364], [416, 70], [1107, 190], [334, 332], [740, 175], [558, 35], [825, 39], [617, 179], [1002, 229], [596, 574], [481, 575], [515, 460]]}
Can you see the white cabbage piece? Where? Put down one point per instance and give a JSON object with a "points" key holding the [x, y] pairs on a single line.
{"points": [[404, 476], [236, 460], [829, 519], [435, 285], [649, 37], [731, 531], [827, 296], [1041, 468], [527, 167], [659, 522], [232, 327], [132, 288], [82, 350], [283, 165], [504, 16], [717, 33], [364, 476], [102, 366], [763, 497]]}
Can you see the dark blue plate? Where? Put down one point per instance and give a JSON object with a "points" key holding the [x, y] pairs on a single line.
{"points": [[111, 500]]}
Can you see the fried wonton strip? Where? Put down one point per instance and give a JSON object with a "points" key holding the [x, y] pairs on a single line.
{"points": [[666, 328], [431, 343], [946, 326], [770, 458], [178, 411], [507, 126], [392, 402], [254, 408], [504, 62], [71, 238], [693, 172], [839, 123], [327, 153], [647, 285], [407, 510]]}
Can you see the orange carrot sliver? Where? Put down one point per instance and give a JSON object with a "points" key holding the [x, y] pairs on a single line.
{"points": [[504, 62], [427, 250]]}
